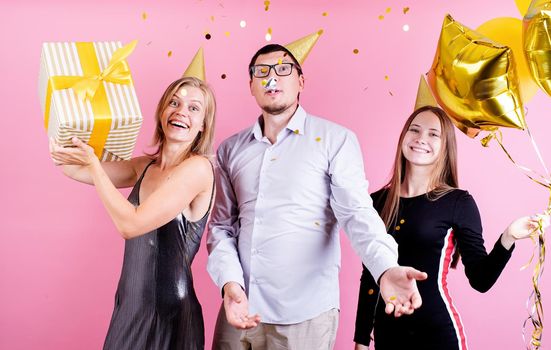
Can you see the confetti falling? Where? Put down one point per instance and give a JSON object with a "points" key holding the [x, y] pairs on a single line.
{"points": [[402, 221], [296, 131], [169, 53], [227, 34], [386, 77], [264, 82], [370, 292], [390, 93], [266, 5], [268, 36], [316, 223], [144, 16], [324, 14], [208, 36], [242, 24], [392, 298], [148, 43], [381, 17], [405, 28], [183, 92], [405, 10], [388, 9], [320, 32], [223, 76], [318, 139], [212, 18], [356, 51]]}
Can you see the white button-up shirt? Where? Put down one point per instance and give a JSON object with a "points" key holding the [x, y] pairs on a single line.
{"points": [[275, 223]]}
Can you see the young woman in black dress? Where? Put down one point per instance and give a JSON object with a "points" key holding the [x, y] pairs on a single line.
{"points": [[162, 221], [434, 223]]}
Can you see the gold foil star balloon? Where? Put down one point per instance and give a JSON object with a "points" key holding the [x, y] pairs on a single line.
{"points": [[301, 48], [508, 31], [424, 95], [536, 36], [475, 81], [197, 67], [522, 6]]}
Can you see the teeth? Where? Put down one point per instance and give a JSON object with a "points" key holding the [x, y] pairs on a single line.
{"points": [[179, 124]]}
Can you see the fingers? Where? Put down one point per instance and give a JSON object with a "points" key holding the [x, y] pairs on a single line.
{"points": [[416, 301], [389, 308], [416, 274]]}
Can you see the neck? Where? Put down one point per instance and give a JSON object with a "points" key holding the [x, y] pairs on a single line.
{"points": [[173, 154], [274, 123], [416, 181]]}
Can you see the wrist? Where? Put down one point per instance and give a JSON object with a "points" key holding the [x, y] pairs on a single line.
{"points": [[507, 240]]}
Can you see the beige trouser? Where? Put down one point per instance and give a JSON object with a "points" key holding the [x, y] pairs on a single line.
{"points": [[318, 333]]}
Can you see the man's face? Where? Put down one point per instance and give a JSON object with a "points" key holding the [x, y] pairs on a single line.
{"points": [[285, 95]]}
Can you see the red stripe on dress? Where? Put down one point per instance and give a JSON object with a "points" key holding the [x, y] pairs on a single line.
{"points": [[443, 282]]}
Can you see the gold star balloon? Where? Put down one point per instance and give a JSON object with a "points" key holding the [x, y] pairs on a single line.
{"points": [[475, 81], [197, 67], [536, 36]]}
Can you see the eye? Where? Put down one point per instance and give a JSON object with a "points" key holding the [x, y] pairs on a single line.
{"points": [[194, 108], [414, 130], [173, 103], [434, 134]]}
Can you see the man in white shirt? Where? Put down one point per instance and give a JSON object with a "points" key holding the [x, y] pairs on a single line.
{"points": [[284, 188]]}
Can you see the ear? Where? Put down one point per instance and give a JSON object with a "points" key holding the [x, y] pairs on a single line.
{"points": [[301, 82], [251, 86]]}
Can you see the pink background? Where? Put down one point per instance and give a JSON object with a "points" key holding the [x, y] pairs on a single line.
{"points": [[60, 256]]}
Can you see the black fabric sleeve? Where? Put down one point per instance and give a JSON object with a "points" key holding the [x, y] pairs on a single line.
{"points": [[367, 303], [482, 269]]}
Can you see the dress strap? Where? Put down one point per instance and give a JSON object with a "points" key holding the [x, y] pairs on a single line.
{"points": [[213, 185], [145, 169]]}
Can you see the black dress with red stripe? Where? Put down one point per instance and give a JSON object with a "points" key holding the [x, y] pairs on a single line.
{"points": [[428, 233]]}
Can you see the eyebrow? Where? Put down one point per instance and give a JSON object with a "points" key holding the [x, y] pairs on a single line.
{"points": [[419, 126], [178, 97]]}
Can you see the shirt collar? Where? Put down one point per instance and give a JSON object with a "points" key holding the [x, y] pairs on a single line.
{"points": [[296, 124]]}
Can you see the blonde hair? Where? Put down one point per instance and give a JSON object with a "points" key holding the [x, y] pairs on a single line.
{"points": [[203, 143], [444, 177]]}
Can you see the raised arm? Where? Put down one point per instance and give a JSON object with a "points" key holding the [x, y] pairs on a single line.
{"points": [[121, 173], [190, 178]]}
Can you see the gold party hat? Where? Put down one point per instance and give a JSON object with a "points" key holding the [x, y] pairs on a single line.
{"points": [[424, 95], [301, 48], [197, 66]]}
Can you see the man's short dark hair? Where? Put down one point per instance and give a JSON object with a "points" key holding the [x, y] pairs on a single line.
{"points": [[273, 48]]}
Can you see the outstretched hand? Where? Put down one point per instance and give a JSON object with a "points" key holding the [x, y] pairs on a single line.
{"points": [[524, 227], [80, 154], [236, 306], [399, 290]]}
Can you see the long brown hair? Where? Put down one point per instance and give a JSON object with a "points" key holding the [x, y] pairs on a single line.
{"points": [[203, 143], [444, 178]]}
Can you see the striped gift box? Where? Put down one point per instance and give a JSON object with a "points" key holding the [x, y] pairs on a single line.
{"points": [[66, 115]]}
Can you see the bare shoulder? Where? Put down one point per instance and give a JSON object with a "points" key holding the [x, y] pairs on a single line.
{"points": [[196, 167], [138, 164]]}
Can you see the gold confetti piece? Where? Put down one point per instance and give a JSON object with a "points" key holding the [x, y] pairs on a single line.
{"points": [[397, 228], [169, 53], [296, 131], [242, 24], [320, 32], [405, 10], [269, 30], [316, 223], [264, 82], [381, 17], [356, 51], [392, 298], [386, 77], [370, 292], [223, 76], [183, 92], [144, 16], [212, 18], [324, 14], [266, 5], [402, 221], [227, 34], [318, 139], [388, 9], [279, 61]]}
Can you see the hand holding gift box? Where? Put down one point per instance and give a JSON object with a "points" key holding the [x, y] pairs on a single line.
{"points": [[86, 91]]}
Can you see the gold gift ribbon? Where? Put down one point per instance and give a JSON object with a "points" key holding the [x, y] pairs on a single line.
{"points": [[89, 87]]}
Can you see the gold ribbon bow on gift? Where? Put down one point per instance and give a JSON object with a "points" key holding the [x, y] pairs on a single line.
{"points": [[89, 87]]}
